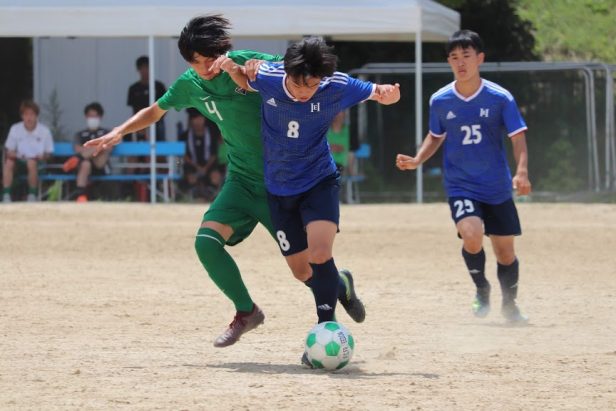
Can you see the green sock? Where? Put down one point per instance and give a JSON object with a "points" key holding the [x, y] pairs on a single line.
{"points": [[221, 268], [32, 190], [6, 190]]}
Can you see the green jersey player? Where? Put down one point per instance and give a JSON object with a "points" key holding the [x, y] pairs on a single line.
{"points": [[242, 202]]}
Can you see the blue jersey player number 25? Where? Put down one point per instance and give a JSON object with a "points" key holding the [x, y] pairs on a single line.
{"points": [[468, 117]]}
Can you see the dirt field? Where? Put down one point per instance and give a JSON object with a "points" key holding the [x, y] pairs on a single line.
{"points": [[105, 307]]}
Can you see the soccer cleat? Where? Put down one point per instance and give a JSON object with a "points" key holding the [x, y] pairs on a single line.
{"points": [[31, 198], [512, 314], [306, 361], [70, 164], [481, 304], [241, 324], [351, 303], [6, 198], [82, 198]]}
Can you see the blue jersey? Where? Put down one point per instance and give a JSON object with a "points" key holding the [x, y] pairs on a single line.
{"points": [[295, 147], [474, 159]]}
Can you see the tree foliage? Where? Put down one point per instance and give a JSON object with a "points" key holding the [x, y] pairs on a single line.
{"points": [[579, 30]]}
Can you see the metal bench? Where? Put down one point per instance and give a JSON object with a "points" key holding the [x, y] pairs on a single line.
{"points": [[170, 150]]}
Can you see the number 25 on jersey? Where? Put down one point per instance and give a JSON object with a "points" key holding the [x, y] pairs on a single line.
{"points": [[472, 134]]}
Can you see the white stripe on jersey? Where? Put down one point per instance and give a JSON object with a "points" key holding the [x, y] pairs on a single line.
{"points": [[272, 74], [442, 91], [513, 133], [499, 89]]}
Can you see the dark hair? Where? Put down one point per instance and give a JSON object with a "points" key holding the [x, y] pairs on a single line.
{"points": [[29, 104], [207, 35], [142, 61], [193, 112], [464, 39], [96, 106], [310, 57]]}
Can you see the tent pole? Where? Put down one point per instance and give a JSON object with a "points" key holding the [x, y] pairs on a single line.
{"points": [[152, 126], [418, 112]]}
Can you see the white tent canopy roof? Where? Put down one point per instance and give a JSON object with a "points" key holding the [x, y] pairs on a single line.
{"points": [[390, 20]]}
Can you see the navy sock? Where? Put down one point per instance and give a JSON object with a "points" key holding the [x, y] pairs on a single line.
{"points": [[508, 276], [325, 288], [342, 288], [476, 264]]}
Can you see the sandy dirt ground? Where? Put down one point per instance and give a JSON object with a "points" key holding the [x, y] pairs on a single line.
{"points": [[106, 307]]}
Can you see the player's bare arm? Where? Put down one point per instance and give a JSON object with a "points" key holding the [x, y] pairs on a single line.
{"points": [[429, 146], [521, 183], [139, 121], [386, 93]]}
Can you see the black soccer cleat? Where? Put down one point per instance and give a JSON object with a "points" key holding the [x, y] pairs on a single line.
{"points": [[351, 303], [306, 361], [512, 314]]}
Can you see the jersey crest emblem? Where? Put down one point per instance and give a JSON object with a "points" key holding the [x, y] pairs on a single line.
{"points": [[240, 90], [272, 102]]}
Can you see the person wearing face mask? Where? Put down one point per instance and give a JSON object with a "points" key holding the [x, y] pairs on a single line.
{"points": [[84, 162]]}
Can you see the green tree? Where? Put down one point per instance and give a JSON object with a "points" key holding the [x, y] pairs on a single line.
{"points": [[579, 30]]}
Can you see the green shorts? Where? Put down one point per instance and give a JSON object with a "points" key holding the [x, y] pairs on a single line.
{"points": [[240, 204]]}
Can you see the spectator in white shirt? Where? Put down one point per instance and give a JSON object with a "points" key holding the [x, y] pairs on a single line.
{"points": [[28, 143]]}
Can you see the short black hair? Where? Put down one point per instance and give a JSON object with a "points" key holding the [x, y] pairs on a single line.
{"points": [[142, 61], [464, 39], [96, 106], [193, 112], [207, 35], [310, 57]]}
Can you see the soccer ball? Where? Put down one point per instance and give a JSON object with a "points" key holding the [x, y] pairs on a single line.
{"points": [[329, 345]]}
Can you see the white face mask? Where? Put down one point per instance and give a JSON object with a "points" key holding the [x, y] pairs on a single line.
{"points": [[93, 122]]}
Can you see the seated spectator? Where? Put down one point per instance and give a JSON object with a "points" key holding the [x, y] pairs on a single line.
{"points": [[202, 176], [29, 142], [84, 162]]}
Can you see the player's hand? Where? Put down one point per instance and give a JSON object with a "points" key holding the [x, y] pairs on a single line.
{"points": [[521, 184], [404, 162], [104, 142], [251, 68], [224, 63], [388, 93]]}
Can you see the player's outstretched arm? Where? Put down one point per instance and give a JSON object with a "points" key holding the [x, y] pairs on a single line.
{"points": [[521, 183], [386, 93], [427, 150], [142, 119]]}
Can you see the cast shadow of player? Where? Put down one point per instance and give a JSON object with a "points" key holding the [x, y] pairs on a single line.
{"points": [[353, 371]]}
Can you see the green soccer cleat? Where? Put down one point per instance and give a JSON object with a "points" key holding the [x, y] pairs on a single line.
{"points": [[481, 304], [351, 303]]}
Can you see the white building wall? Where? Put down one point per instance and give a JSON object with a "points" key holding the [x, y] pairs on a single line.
{"points": [[83, 70]]}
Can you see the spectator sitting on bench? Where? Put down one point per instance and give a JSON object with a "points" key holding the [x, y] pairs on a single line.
{"points": [[28, 143], [202, 176], [83, 161]]}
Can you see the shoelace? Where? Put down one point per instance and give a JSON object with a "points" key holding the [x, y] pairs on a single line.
{"points": [[237, 320]]}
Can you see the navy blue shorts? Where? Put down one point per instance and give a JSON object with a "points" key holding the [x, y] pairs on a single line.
{"points": [[498, 219], [291, 214]]}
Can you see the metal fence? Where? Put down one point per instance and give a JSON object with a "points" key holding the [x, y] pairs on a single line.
{"points": [[569, 108]]}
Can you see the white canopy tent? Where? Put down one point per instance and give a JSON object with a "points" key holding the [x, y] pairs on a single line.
{"points": [[383, 20]]}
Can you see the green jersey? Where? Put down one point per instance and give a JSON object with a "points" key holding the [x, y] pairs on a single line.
{"points": [[236, 112]]}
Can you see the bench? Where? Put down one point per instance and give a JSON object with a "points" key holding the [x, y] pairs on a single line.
{"points": [[352, 181], [170, 150]]}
